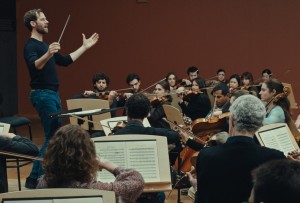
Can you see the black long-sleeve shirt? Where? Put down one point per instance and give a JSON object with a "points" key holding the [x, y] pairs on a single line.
{"points": [[45, 78]]}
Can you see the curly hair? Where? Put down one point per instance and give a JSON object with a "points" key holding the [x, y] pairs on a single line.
{"points": [[70, 155]]}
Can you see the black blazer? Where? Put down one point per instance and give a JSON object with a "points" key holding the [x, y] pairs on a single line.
{"points": [[224, 172], [136, 127]]}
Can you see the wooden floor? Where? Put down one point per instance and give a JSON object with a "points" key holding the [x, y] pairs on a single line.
{"points": [[37, 132]]}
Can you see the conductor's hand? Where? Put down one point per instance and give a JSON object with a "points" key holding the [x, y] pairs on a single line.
{"points": [[88, 43], [53, 48]]}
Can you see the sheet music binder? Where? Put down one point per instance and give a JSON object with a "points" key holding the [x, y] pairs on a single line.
{"points": [[133, 145]]}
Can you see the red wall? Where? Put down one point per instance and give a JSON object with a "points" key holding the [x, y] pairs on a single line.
{"points": [[160, 36]]}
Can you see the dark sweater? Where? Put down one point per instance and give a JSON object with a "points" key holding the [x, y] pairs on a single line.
{"points": [[47, 77], [18, 145]]}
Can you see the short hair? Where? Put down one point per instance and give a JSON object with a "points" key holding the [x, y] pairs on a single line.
{"points": [[268, 71], [70, 155], [137, 106], [31, 16], [277, 181], [247, 76], [131, 77], [249, 113], [100, 76], [237, 77], [192, 69], [221, 86], [239, 93], [283, 102], [220, 70]]}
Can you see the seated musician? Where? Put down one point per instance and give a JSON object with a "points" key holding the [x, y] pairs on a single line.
{"points": [[221, 77], [100, 84], [198, 103], [248, 83], [266, 75], [162, 91], [234, 83], [276, 182], [171, 79], [192, 72], [17, 144], [222, 100], [71, 162], [223, 172], [138, 108], [277, 104], [134, 82]]}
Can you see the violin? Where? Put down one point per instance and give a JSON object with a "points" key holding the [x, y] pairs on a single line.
{"points": [[207, 126], [157, 101], [274, 100]]}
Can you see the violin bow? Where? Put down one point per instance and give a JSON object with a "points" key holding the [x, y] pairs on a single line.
{"points": [[151, 85]]}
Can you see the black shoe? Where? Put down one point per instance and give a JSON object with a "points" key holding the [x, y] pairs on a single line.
{"points": [[30, 183]]}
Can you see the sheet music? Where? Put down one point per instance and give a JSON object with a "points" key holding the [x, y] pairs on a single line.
{"points": [[82, 112], [278, 138], [138, 155]]}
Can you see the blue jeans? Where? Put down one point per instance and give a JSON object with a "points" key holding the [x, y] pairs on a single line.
{"points": [[45, 102]]}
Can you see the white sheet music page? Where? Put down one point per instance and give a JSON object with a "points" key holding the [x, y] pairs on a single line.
{"points": [[138, 155], [278, 138]]}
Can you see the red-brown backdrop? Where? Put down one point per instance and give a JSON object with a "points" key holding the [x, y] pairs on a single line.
{"points": [[160, 36]]}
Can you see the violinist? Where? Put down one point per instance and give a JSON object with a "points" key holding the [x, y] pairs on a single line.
{"points": [[192, 72], [162, 92], [234, 83], [171, 79], [221, 77], [248, 83], [134, 82], [100, 83], [13, 143], [197, 105], [277, 106]]}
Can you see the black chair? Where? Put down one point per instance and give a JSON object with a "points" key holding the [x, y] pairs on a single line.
{"points": [[16, 121]]}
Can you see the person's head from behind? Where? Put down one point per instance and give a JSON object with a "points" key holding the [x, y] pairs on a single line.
{"points": [[133, 80], [246, 115], [137, 106], [192, 72], [238, 94], [247, 78], [70, 155], [276, 182], [36, 19], [221, 75], [100, 82], [234, 81], [266, 75], [221, 94], [171, 79]]}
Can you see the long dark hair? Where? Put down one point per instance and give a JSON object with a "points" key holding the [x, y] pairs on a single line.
{"points": [[283, 102], [165, 85]]}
